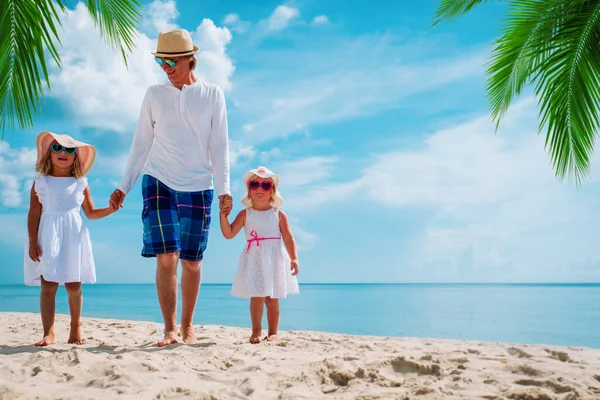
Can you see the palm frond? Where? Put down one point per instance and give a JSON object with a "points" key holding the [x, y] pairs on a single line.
{"points": [[28, 32], [521, 51], [27, 28], [569, 89], [117, 20], [451, 9]]}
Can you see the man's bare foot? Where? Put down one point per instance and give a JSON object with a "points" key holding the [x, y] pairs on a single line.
{"points": [[170, 338], [46, 341], [271, 337], [75, 335], [189, 336]]}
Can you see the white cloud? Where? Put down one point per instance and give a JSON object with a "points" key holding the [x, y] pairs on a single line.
{"points": [[213, 63], [113, 164], [16, 167], [281, 18], [101, 92], [235, 23], [248, 128], [271, 154], [239, 151], [9, 191], [494, 209], [320, 20], [160, 15], [300, 172], [306, 240], [371, 79]]}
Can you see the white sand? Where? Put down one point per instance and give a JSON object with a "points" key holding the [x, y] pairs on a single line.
{"points": [[120, 360]]}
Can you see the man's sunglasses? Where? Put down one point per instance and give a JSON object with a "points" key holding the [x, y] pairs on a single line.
{"points": [[265, 185], [161, 61], [57, 148]]}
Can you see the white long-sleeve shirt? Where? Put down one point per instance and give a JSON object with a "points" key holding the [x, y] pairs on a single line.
{"points": [[181, 139]]}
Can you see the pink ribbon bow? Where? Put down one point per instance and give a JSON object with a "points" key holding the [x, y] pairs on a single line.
{"points": [[257, 239]]}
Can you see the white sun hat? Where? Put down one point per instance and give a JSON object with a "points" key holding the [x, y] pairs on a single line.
{"points": [[264, 173]]}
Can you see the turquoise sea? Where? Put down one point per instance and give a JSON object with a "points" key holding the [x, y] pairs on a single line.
{"points": [[559, 314]]}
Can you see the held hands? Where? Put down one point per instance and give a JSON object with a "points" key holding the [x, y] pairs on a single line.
{"points": [[225, 204], [116, 200], [35, 251], [294, 267]]}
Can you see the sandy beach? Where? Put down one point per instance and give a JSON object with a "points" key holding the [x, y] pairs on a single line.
{"points": [[120, 360]]}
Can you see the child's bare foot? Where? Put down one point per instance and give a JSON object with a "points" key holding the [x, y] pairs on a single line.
{"points": [[75, 335], [189, 336], [170, 338], [46, 340], [255, 338], [271, 337]]}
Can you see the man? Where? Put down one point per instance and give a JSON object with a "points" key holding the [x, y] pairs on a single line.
{"points": [[181, 141]]}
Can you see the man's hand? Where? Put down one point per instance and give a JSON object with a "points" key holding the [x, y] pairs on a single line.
{"points": [[116, 200], [225, 199]]}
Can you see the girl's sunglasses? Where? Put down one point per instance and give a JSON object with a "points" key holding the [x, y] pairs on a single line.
{"points": [[57, 148], [265, 185], [161, 61]]}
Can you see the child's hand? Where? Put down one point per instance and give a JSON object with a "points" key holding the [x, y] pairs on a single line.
{"points": [[114, 207], [226, 210], [294, 267], [35, 252]]}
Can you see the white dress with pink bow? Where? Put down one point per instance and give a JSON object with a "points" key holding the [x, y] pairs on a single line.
{"points": [[264, 266]]}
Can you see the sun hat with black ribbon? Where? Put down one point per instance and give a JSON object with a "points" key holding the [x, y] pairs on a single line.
{"points": [[175, 43]]}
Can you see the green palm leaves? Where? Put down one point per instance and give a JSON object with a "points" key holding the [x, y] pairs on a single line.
{"points": [[554, 45], [28, 33]]}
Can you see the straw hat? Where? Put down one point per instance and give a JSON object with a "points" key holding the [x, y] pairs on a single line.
{"points": [[86, 153], [175, 43], [264, 173]]}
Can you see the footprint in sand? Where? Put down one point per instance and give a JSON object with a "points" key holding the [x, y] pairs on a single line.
{"points": [[527, 370], [560, 355], [554, 386], [403, 366], [515, 352]]}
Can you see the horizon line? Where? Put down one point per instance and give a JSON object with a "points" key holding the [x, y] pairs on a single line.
{"points": [[355, 283]]}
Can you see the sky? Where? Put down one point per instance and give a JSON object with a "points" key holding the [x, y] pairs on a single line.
{"points": [[391, 170]]}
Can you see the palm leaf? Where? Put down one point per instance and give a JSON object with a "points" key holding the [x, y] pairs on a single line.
{"points": [[26, 29], [521, 51], [117, 20], [555, 45], [451, 9], [28, 32], [569, 90]]}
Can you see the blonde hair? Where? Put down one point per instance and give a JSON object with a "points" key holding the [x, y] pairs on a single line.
{"points": [[254, 176], [45, 166]]}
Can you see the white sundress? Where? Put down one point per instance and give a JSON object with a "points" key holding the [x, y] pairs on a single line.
{"points": [[264, 266], [62, 235]]}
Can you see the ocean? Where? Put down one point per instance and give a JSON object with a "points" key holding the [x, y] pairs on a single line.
{"points": [[554, 314]]}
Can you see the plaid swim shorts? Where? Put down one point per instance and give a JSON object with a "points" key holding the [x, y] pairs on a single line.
{"points": [[174, 220]]}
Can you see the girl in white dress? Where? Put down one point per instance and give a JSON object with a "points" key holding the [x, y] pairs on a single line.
{"points": [[59, 249], [266, 271]]}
